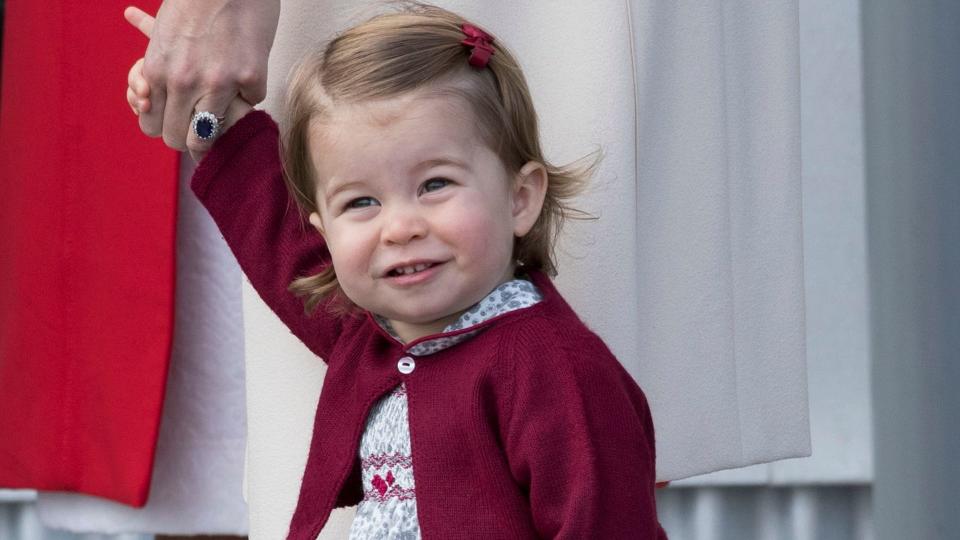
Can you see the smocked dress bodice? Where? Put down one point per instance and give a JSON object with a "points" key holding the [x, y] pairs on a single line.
{"points": [[388, 510]]}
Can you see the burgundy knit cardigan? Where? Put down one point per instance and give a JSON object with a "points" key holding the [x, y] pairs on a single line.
{"points": [[530, 429]]}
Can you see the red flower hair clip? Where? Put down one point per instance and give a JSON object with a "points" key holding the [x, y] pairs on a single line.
{"points": [[481, 42]]}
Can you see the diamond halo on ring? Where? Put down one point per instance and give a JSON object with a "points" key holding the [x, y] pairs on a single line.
{"points": [[206, 125]]}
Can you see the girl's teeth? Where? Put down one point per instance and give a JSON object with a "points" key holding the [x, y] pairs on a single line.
{"points": [[412, 269]]}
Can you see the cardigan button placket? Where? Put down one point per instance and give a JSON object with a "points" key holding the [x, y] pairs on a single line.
{"points": [[406, 365]]}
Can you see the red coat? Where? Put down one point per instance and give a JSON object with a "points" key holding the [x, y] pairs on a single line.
{"points": [[530, 429], [87, 240]]}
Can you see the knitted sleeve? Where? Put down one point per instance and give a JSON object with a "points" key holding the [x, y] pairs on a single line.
{"points": [[240, 182], [579, 438]]}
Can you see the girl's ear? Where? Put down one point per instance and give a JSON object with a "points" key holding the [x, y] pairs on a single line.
{"points": [[315, 221], [529, 190]]}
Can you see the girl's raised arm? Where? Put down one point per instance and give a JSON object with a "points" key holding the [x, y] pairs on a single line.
{"points": [[240, 182]]}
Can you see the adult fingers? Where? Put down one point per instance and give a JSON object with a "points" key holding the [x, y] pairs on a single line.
{"points": [[181, 107], [155, 72], [178, 110], [151, 120], [198, 147], [253, 86], [201, 49], [140, 20]]}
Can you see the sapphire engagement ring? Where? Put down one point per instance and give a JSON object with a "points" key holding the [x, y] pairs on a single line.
{"points": [[206, 125]]}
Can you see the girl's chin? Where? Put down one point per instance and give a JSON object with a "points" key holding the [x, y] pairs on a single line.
{"points": [[426, 320]]}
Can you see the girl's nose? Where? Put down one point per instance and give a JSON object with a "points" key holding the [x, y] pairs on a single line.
{"points": [[403, 225]]}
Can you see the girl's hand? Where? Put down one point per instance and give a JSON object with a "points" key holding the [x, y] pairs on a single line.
{"points": [[138, 92]]}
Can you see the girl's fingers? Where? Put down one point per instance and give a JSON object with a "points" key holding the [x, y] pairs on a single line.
{"points": [[138, 91], [139, 19], [138, 104], [150, 124], [136, 81], [133, 101]]}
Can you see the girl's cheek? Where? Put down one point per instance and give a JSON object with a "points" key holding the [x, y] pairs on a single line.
{"points": [[485, 236], [351, 246], [340, 251]]}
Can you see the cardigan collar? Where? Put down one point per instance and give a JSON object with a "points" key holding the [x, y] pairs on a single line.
{"points": [[508, 296]]}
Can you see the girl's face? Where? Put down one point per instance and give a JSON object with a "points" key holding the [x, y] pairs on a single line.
{"points": [[407, 183]]}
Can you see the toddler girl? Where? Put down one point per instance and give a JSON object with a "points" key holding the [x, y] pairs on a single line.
{"points": [[463, 397]]}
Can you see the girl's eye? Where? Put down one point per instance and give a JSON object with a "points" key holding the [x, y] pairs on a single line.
{"points": [[435, 183], [360, 202]]}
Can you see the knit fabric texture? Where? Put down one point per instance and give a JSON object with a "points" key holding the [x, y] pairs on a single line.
{"points": [[389, 506], [529, 429]]}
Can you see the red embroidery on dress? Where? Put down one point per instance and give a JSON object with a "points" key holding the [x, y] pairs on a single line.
{"points": [[381, 485], [395, 492], [375, 461]]}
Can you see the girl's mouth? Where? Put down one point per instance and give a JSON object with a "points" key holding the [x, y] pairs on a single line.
{"points": [[412, 269], [413, 275]]}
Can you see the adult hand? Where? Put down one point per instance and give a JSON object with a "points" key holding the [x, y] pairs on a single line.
{"points": [[202, 54], [138, 96]]}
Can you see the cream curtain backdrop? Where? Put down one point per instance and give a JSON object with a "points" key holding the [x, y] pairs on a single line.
{"points": [[693, 274]]}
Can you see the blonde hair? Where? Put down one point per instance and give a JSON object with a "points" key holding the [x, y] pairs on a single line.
{"points": [[412, 49]]}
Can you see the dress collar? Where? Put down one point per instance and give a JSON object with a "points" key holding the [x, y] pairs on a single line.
{"points": [[506, 297]]}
